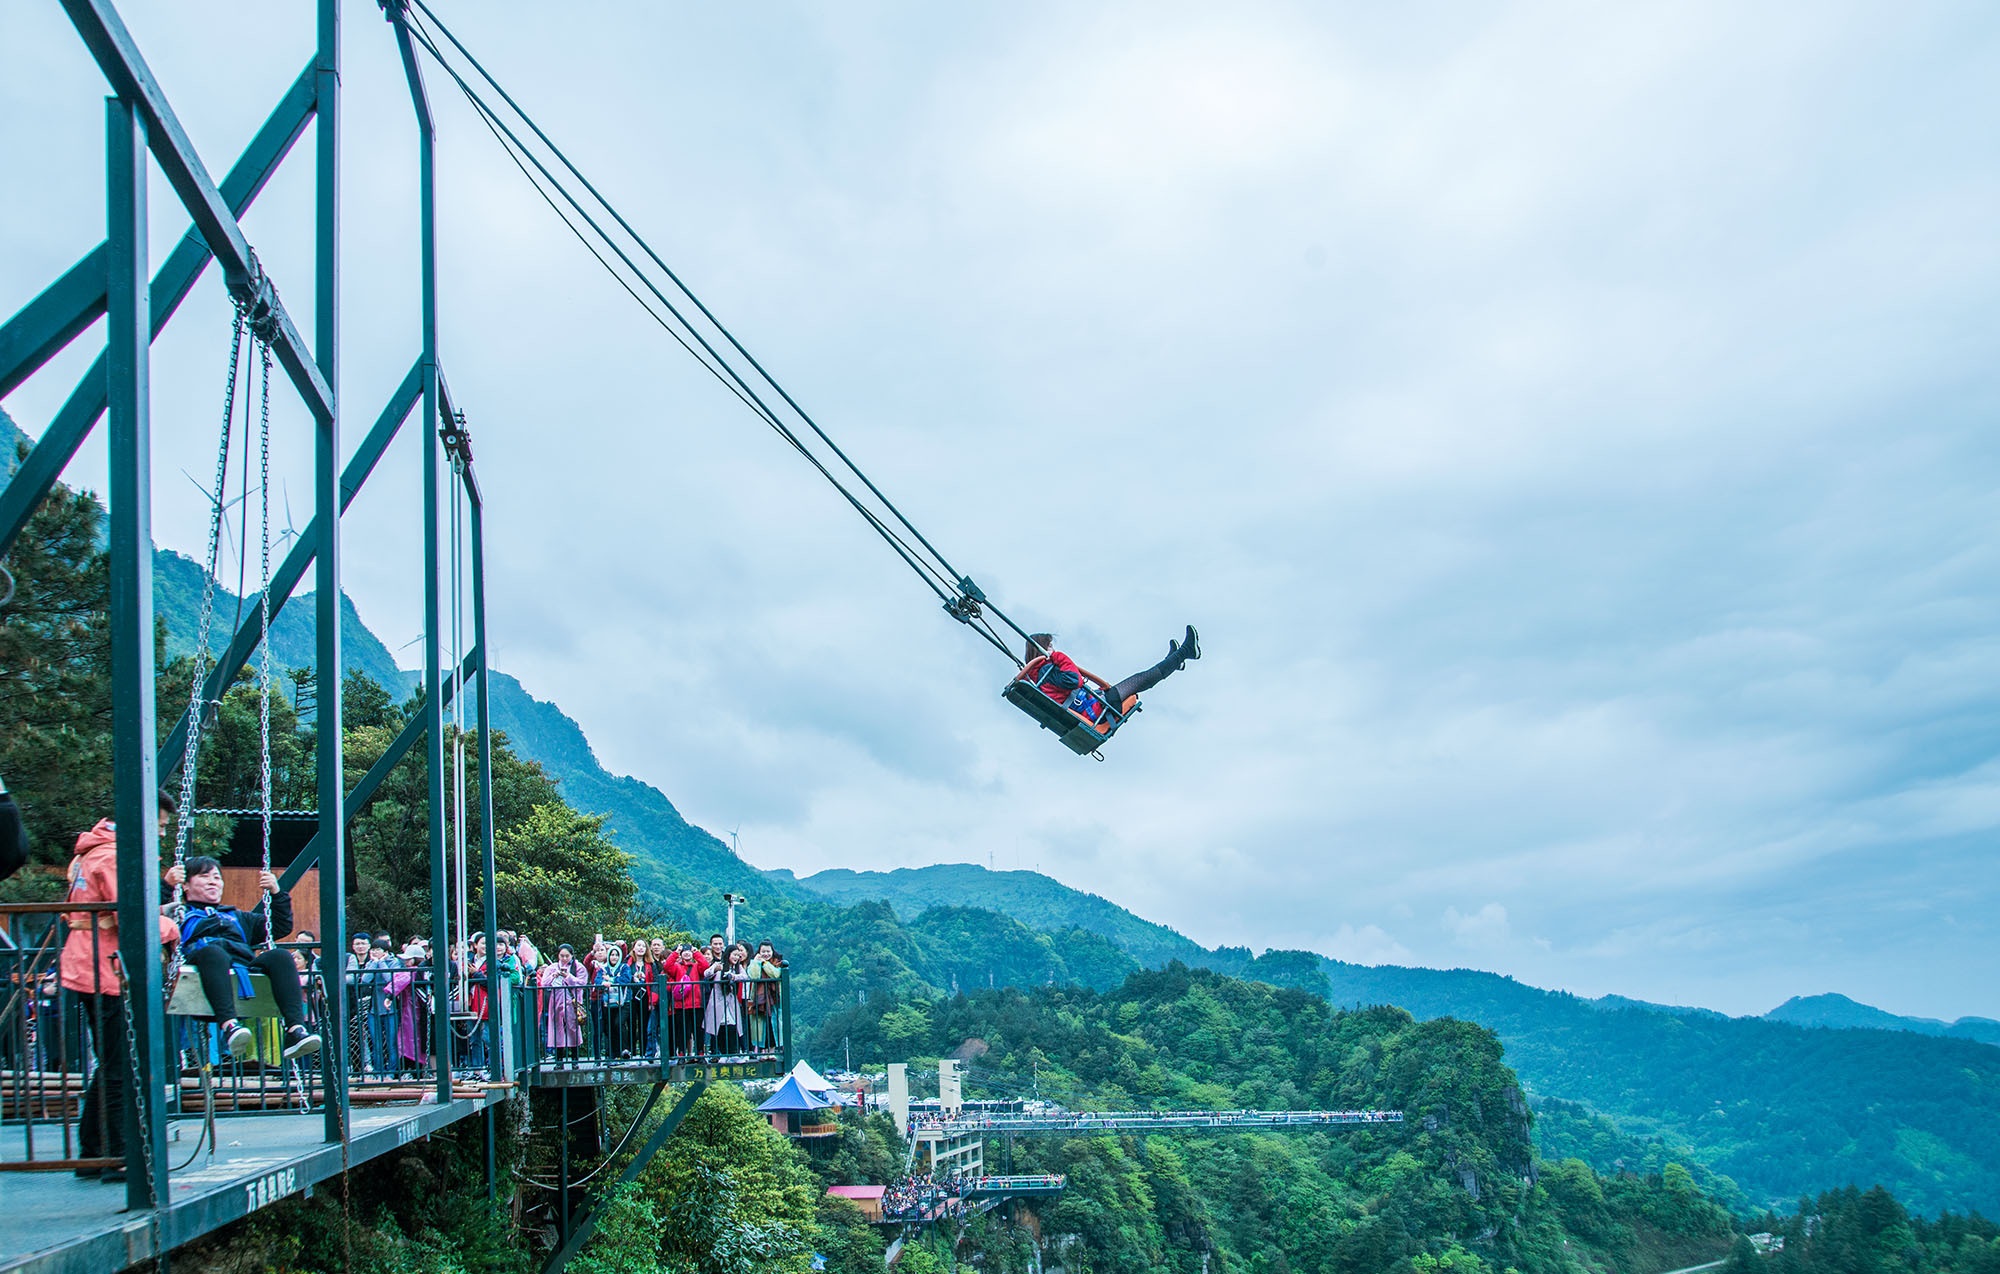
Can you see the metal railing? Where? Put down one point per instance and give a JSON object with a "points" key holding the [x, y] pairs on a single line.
{"points": [[64, 1068], [563, 1024], [54, 1113]]}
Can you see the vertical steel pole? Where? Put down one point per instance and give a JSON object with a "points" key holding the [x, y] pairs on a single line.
{"points": [[562, 1169], [326, 579], [495, 985], [433, 628], [785, 1017], [135, 799], [498, 1002]]}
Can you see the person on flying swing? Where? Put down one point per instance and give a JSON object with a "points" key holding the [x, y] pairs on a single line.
{"points": [[1065, 685], [221, 943]]}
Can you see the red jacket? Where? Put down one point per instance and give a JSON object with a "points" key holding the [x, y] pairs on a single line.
{"points": [[93, 877], [685, 978]]}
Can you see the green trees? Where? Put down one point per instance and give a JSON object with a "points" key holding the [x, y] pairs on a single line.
{"points": [[730, 1194], [557, 866], [1851, 1231], [55, 684]]}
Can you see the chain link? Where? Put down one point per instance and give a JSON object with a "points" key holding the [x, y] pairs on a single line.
{"points": [[264, 626], [184, 821], [142, 1101]]}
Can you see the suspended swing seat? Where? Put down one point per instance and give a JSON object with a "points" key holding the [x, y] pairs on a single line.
{"points": [[188, 1000], [1079, 733]]}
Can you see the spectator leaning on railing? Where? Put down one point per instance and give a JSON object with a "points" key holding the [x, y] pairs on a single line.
{"points": [[408, 988]]}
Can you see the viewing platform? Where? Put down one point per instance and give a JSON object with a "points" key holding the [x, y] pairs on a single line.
{"points": [[242, 1133]]}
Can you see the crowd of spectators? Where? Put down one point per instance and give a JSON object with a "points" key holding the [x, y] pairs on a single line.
{"points": [[925, 1197], [647, 999]]}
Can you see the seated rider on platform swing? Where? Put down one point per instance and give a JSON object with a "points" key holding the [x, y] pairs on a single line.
{"points": [[220, 942], [1065, 683]]}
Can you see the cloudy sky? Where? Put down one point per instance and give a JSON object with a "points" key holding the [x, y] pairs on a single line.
{"points": [[1570, 426]]}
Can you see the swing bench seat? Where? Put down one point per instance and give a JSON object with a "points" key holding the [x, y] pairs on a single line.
{"points": [[188, 1000], [1078, 733]]}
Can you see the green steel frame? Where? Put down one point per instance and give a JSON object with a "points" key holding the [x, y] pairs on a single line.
{"points": [[113, 281]]}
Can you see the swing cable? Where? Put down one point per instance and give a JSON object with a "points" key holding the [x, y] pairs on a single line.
{"points": [[961, 598]]}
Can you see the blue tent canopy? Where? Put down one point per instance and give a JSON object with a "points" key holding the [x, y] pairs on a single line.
{"points": [[792, 1097]]}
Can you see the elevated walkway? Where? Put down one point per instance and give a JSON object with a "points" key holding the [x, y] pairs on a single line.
{"points": [[1018, 1187], [1097, 1123]]}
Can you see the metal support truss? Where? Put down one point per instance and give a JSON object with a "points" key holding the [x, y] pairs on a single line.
{"points": [[579, 1229], [112, 282], [70, 304]]}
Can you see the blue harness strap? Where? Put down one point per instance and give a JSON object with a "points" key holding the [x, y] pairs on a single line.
{"points": [[194, 919]]}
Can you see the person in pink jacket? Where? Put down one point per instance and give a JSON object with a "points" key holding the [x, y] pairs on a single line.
{"points": [[408, 985], [562, 1003], [90, 972]]}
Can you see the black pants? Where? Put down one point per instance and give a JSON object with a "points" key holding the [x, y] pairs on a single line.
{"points": [[218, 982], [683, 1032], [103, 1133], [1140, 682]]}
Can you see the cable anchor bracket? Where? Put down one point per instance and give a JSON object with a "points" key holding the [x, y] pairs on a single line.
{"points": [[966, 607], [257, 297], [457, 438]]}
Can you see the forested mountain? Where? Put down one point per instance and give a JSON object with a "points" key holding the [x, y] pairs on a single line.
{"points": [[1454, 1187], [11, 439], [1782, 1109], [1027, 896]]}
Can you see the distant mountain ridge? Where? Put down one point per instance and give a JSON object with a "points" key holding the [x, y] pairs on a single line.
{"points": [[11, 438], [1837, 1012], [1029, 897]]}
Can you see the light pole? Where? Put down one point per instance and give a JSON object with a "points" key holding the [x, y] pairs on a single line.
{"points": [[730, 928]]}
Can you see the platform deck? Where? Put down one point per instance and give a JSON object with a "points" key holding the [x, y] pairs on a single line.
{"points": [[58, 1224]]}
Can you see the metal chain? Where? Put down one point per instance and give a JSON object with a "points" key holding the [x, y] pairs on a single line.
{"points": [[184, 821], [142, 1099], [264, 626]]}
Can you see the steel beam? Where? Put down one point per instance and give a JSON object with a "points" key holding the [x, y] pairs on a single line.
{"points": [[135, 800], [28, 331], [364, 791], [53, 319], [588, 1222], [433, 624], [76, 300], [104, 34], [322, 540], [304, 552], [490, 908]]}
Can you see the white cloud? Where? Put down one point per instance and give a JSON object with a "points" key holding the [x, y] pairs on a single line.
{"points": [[1484, 930], [1369, 944]]}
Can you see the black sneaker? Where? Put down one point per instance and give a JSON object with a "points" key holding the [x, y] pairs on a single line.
{"points": [[1190, 645], [299, 1041], [238, 1039]]}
